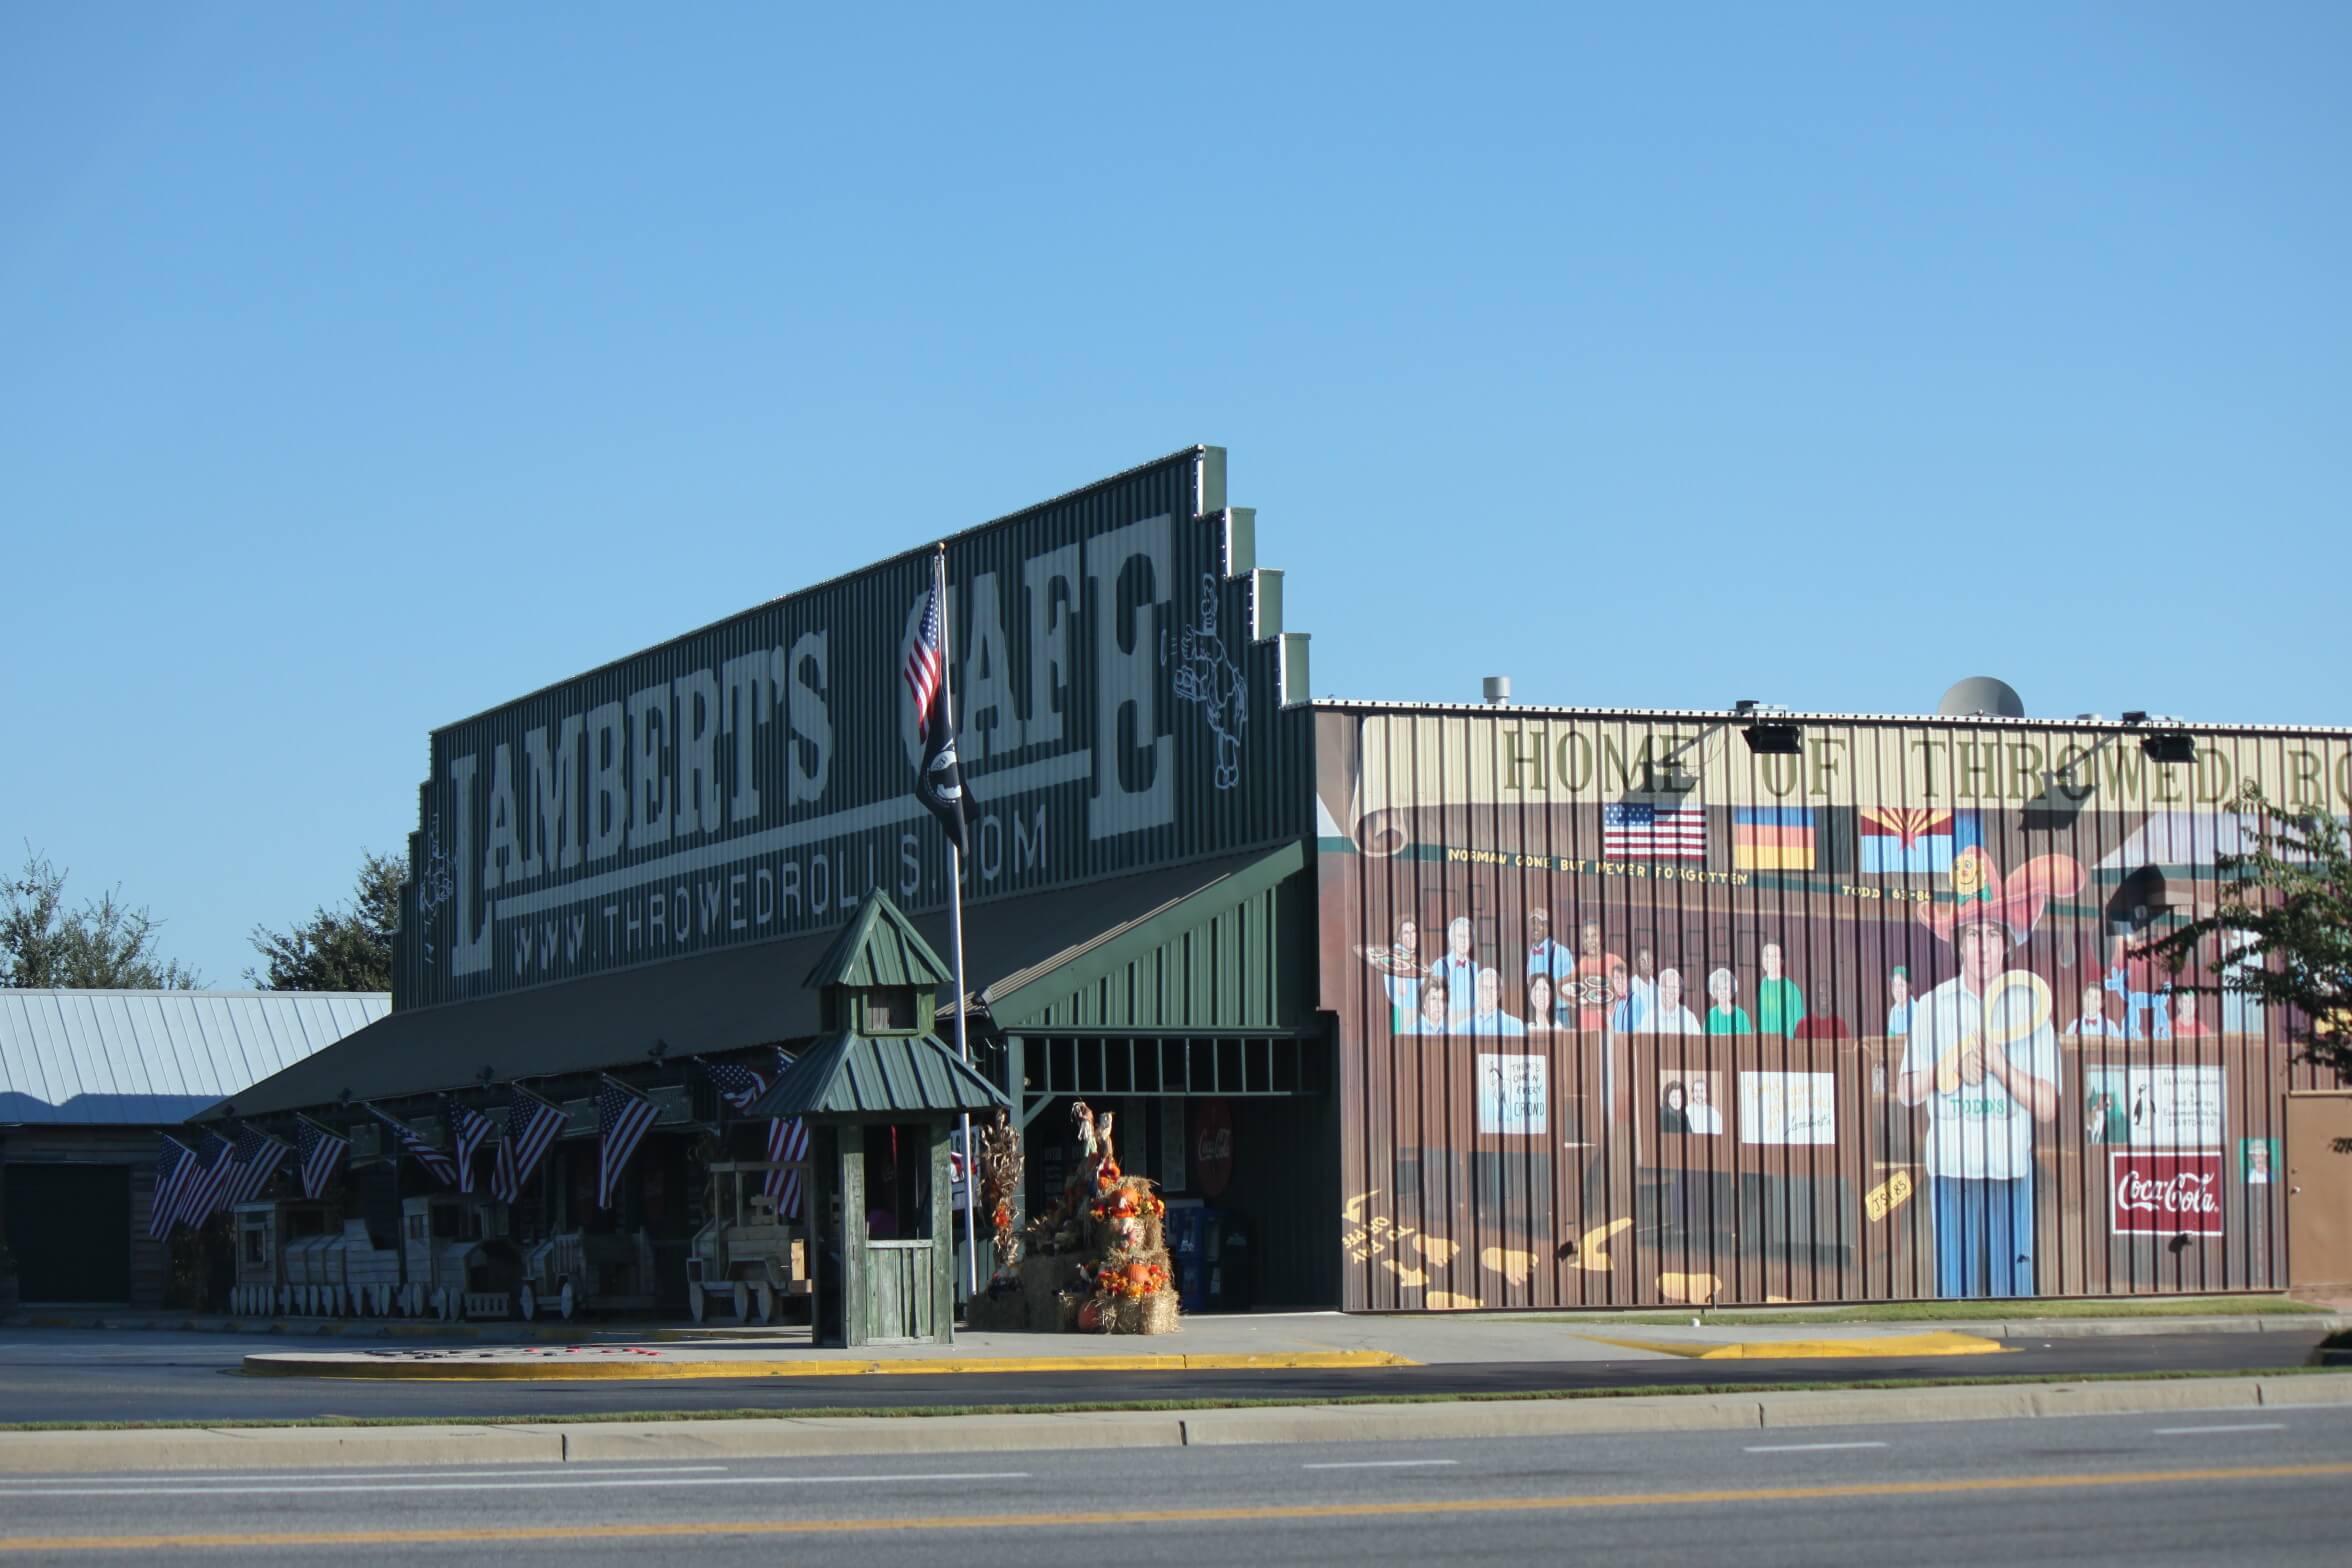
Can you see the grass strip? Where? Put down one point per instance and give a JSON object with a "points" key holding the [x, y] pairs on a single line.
{"points": [[2009, 1311], [1149, 1406]]}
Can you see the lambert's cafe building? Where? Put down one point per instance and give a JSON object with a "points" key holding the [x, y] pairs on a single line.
{"points": [[1440, 1007]]}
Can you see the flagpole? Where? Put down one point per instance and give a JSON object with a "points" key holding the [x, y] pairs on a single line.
{"points": [[955, 935]]}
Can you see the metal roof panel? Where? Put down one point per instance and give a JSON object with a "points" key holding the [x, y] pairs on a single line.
{"points": [[158, 1057]]}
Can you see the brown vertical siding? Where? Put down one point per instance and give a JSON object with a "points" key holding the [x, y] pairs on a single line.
{"points": [[1494, 816]]}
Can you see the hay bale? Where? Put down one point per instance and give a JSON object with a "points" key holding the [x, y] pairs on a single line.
{"points": [[1153, 1314]]}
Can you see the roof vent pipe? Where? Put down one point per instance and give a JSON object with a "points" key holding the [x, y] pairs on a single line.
{"points": [[1498, 691]]}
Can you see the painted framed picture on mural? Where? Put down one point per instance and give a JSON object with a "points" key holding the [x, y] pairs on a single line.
{"points": [[1514, 1095], [2153, 1107], [1788, 1108], [1690, 1102]]}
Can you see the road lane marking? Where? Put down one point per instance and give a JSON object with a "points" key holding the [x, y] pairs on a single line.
{"points": [[549, 1468], [1382, 1464], [1805, 1448], [496, 1486], [475, 1537], [2244, 1426]]}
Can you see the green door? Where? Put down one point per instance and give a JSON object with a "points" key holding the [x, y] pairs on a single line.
{"points": [[70, 1228]]}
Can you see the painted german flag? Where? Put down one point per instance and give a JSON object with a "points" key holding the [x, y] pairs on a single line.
{"points": [[1773, 838]]}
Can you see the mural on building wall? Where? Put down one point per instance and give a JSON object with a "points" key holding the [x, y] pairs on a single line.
{"points": [[752, 779], [1863, 1021]]}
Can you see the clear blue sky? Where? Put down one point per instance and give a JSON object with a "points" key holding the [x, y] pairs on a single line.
{"points": [[363, 367]]}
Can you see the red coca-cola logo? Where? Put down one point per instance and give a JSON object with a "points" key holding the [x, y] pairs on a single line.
{"points": [[2165, 1192]]}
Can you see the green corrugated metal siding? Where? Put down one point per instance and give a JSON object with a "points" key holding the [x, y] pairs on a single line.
{"points": [[1121, 700], [1237, 955], [880, 947], [894, 1077]]}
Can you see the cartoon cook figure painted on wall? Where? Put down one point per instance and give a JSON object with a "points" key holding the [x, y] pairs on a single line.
{"points": [[1983, 1057]]}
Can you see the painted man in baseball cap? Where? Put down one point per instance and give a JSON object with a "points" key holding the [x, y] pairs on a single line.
{"points": [[1983, 1058]]}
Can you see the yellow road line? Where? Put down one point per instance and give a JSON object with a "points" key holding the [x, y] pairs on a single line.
{"points": [[1942, 1342], [696, 1530], [553, 1369]]}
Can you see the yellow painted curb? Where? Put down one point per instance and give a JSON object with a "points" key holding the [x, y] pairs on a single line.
{"points": [[646, 1369], [1943, 1342]]}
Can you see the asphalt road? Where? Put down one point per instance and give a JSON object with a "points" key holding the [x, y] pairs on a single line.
{"points": [[81, 1375], [2254, 1487]]}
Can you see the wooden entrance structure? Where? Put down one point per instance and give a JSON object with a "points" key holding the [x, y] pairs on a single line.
{"points": [[880, 1093]]}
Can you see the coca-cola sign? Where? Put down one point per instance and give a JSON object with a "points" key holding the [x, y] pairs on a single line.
{"points": [[2164, 1192]]}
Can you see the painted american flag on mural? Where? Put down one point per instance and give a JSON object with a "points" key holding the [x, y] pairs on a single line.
{"points": [[1636, 832]]}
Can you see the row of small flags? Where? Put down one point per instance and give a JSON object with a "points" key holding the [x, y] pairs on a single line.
{"points": [[191, 1187]]}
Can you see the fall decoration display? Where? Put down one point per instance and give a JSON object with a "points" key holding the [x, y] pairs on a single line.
{"points": [[1093, 1261]]}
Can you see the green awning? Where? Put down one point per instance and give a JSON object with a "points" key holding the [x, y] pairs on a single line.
{"points": [[894, 1078], [1232, 952]]}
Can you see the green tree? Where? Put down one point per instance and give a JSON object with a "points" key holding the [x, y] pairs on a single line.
{"points": [[2284, 928], [338, 950], [103, 945]]}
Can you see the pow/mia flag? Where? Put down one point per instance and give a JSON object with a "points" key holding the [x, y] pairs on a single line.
{"points": [[939, 781], [940, 786]]}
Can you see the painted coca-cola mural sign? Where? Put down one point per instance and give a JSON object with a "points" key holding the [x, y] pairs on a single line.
{"points": [[2163, 1193]]}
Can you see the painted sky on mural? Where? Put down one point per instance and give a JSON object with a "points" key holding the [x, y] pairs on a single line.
{"points": [[365, 372]]}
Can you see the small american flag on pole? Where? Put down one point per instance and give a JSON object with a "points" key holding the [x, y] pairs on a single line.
{"points": [[172, 1167], [471, 1129], [623, 1117], [531, 1128], [412, 1144], [258, 1155], [741, 1088], [200, 1194], [317, 1152], [1631, 832]]}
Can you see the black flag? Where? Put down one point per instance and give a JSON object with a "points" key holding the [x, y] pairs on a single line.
{"points": [[939, 782]]}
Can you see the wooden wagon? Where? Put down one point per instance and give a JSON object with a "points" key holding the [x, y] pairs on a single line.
{"points": [[746, 1255]]}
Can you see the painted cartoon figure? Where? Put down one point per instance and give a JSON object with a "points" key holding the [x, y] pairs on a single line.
{"points": [[1983, 1057], [1207, 675]]}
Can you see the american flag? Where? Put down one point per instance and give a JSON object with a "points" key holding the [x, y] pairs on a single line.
{"points": [[171, 1169], [738, 1086], [925, 662], [200, 1194], [442, 1167], [741, 1088], [317, 1151], [471, 1127], [787, 1140], [623, 1116], [1654, 832], [258, 1155], [531, 1126]]}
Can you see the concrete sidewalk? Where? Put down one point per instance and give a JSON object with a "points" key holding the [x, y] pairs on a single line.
{"points": [[1301, 1340], [317, 1447]]}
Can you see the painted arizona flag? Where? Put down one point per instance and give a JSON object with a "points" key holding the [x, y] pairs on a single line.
{"points": [[1906, 838]]}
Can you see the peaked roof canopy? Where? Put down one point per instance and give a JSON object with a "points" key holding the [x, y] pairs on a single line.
{"points": [[893, 1078], [880, 947]]}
